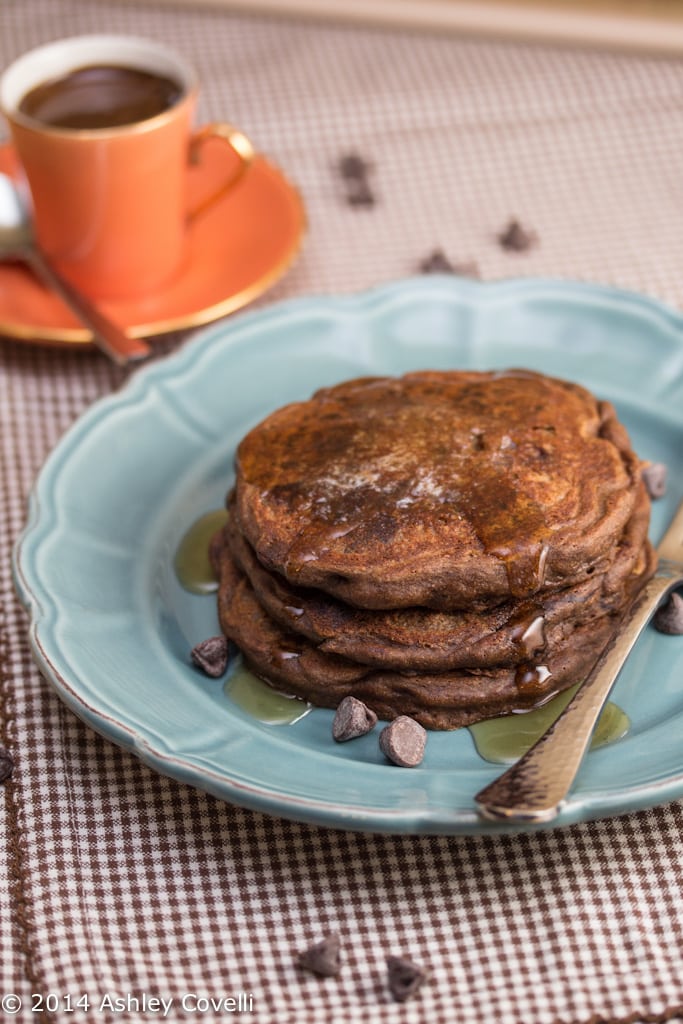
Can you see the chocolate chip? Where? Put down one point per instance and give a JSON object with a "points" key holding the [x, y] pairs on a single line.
{"points": [[212, 655], [405, 977], [354, 167], [438, 263], [354, 171], [403, 742], [669, 618], [654, 477], [516, 238], [6, 764], [352, 718], [323, 957]]}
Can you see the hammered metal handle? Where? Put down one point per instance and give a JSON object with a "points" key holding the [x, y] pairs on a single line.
{"points": [[533, 789]]}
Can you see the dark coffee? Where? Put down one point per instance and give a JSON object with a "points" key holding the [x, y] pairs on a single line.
{"points": [[102, 96]]}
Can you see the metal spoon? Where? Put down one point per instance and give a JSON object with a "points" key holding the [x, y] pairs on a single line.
{"points": [[535, 787], [17, 242]]}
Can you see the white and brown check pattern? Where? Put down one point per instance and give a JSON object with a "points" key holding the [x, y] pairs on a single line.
{"points": [[117, 881]]}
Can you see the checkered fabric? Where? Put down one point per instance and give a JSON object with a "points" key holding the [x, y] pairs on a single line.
{"points": [[125, 887]]}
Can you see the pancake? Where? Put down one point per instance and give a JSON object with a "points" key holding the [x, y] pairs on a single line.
{"points": [[447, 545], [424, 639], [444, 700], [446, 490]]}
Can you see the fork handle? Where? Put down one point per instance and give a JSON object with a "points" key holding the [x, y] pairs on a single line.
{"points": [[533, 789]]}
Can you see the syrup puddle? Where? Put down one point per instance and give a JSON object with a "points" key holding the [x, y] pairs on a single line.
{"points": [[260, 700], [504, 740], [191, 563]]}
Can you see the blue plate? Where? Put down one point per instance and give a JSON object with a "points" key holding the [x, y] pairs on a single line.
{"points": [[112, 629]]}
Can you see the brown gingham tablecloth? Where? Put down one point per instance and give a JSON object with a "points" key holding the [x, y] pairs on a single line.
{"points": [[150, 898]]}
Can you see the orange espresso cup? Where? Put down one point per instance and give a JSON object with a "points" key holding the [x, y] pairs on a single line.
{"points": [[110, 202]]}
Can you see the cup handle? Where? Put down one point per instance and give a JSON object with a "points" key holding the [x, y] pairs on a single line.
{"points": [[240, 145]]}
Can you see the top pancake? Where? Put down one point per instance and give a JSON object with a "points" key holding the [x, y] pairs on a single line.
{"points": [[446, 489]]}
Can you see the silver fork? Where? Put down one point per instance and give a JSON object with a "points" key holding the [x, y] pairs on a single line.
{"points": [[534, 788]]}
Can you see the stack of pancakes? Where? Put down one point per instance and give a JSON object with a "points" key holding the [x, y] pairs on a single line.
{"points": [[447, 545]]}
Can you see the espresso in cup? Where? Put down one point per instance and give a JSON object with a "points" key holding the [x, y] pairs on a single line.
{"points": [[101, 96], [102, 127]]}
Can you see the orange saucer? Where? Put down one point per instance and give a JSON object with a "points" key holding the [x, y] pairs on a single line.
{"points": [[236, 250]]}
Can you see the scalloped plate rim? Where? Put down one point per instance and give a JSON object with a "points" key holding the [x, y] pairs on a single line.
{"points": [[224, 334]]}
